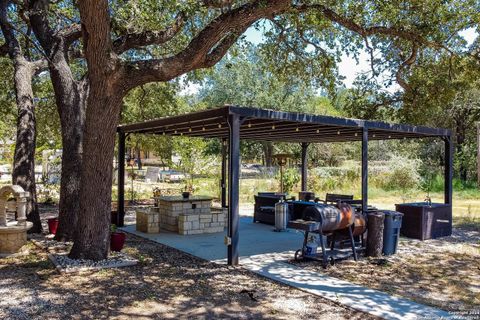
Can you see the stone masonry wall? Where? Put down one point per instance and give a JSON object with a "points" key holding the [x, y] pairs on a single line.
{"points": [[12, 241], [202, 223], [193, 217], [169, 212], [147, 221]]}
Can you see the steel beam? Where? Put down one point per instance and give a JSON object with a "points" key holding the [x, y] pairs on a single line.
{"points": [[121, 180], [448, 189], [304, 165], [233, 188], [223, 179], [365, 171]]}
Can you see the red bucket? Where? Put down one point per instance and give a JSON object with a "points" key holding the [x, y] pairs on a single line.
{"points": [[117, 240], [52, 225]]}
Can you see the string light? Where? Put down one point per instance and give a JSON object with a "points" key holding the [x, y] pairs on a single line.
{"points": [[389, 136], [219, 125], [373, 135], [203, 128], [163, 133], [181, 133], [318, 130], [338, 132], [189, 129], [297, 129], [273, 127], [356, 134], [175, 131], [249, 125]]}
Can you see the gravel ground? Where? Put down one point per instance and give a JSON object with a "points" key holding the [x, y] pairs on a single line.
{"points": [[165, 284], [443, 272]]}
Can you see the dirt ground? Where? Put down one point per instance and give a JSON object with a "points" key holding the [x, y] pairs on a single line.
{"points": [[443, 272], [166, 284]]}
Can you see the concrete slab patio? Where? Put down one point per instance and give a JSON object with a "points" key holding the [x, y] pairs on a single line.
{"points": [[265, 252]]}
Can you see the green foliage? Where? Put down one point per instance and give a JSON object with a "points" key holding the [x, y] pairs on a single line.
{"points": [[244, 80], [330, 179], [291, 177], [442, 92], [148, 102], [192, 159], [402, 174]]}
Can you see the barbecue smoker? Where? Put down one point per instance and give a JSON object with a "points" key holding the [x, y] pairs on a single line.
{"points": [[336, 221]]}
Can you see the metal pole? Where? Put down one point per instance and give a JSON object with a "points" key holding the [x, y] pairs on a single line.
{"points": [[448, 169], [121, 179], [364, 171], [233, 188], [224, 174], [304, 165]]}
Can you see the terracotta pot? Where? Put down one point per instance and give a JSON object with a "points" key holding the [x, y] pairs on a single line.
{"points": [[117, 241], [52, 225]]}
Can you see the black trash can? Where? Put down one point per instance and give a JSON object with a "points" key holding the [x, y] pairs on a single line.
{"points": [[391, 231]]}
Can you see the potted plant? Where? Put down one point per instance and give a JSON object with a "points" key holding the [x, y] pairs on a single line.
{"points": [[52, 225], [187, 191], [117, 239]]}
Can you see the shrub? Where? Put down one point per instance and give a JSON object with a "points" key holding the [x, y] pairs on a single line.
{"points": [[402, 174], [291, 178]]}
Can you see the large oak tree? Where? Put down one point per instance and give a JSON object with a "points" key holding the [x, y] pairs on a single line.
{"points": [[123, 47]]}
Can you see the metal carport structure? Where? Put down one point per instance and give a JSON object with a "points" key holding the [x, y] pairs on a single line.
{"points": [[231, 123]]}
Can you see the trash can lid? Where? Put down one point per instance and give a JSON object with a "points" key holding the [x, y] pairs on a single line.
{"points": [[392, 213]]}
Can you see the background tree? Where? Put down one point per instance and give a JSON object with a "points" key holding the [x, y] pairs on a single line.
{"points": [[441, 92], [244, 79], [151, 101], [25, 67]]}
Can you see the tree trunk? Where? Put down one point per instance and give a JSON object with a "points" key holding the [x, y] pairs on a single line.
{"points": [[92, 236], [478, 154], [71, 108], [460, 135], [268, 151], [375, 234], [139, 160], [23, 173], [69, 206], [70, 100]]}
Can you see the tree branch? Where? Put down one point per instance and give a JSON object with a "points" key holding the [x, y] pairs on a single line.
{"points": [[351, 25], [12, 46], [70, 33], [4, 50], [218, 4], [405, 64], [207, 48], [148, 37], [39, 65]]}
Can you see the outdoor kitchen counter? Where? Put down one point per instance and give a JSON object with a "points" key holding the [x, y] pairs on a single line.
{"points": [[182, 199], [191, 215]]}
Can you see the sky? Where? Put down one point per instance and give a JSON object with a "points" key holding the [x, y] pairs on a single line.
{"points": [[348, 67]]}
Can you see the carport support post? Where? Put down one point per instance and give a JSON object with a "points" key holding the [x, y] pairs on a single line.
{"points": [[233, 188], [223, 178], [364, 170], [304, 165], [448, 169], [121, 179]]}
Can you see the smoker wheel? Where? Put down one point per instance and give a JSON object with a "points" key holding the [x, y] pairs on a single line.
{"points": [[332, 261], [298, 255]]}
